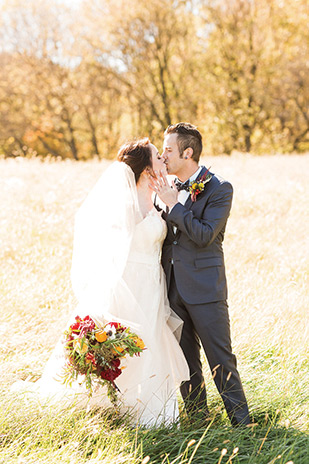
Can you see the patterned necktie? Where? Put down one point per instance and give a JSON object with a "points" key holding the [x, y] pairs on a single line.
{"points": [[182, 185]]}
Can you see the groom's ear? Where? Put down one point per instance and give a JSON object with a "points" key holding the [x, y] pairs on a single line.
{"points": [[188, 152]]}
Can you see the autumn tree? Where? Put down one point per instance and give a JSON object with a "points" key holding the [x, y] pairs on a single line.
{"points": [[153, 53], [256, 58], [77, 80]]}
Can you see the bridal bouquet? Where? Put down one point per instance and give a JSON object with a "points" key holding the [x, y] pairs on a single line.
{"points": [[96, 353]]}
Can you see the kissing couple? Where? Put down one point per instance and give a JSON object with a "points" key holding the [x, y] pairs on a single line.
{"points": [[148, 254]]}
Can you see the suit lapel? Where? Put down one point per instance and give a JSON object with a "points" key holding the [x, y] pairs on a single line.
{"points": [[189, 202]]}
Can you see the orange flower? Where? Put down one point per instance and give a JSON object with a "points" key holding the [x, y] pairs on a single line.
{"points": [[117, 350], [80, 345], [101, 336], [139, 342]]}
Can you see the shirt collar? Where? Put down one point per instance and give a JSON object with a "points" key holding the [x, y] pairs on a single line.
{"points": [[196, 174]]}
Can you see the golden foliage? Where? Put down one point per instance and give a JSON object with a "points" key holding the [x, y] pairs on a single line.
{"points": [[77, 80]]}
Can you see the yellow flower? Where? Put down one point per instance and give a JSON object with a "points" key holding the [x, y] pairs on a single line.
{"points": [[139, 342], [201, 185], [80, 345], [194, 186], [101, 336]]}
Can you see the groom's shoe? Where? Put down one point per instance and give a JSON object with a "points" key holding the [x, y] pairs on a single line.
{"points": [[241, 423], [240, 419]]}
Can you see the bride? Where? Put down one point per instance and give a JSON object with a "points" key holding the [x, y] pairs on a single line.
{"points": [[117, 276]]}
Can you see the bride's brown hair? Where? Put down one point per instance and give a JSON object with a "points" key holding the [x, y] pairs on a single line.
{"points": [[137, 155]]}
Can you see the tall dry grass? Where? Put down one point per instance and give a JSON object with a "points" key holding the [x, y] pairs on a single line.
{"points": [[266, 251]]}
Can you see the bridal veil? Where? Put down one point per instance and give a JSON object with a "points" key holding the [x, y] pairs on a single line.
{"points": [[104, 227]]}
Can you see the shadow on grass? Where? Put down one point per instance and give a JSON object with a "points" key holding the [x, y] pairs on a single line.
{"points": [[215, 441], [98, 435], [264, 441]]}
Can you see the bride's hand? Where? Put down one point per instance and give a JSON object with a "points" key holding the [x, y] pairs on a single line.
{"points": [[166, 192]]}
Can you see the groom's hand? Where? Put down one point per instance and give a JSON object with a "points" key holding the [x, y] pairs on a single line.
{"points": [[166, 192]]}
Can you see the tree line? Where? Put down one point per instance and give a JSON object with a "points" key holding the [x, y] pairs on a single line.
{"points": [[79, 78]]}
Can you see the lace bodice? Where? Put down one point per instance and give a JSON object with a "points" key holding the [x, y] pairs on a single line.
{"points": [[148, 239]]}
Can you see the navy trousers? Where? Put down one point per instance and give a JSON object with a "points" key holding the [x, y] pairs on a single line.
{"points": [[209, 324]]}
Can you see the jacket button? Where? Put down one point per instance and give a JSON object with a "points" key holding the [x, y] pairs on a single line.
{"points": [[175, 242]]}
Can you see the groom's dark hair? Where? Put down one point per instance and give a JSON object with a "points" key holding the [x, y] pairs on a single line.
{"points": [[188, 136], [136, 154]]}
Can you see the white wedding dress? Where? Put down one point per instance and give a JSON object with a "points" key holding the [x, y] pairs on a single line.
{"points": [[149, 382]]}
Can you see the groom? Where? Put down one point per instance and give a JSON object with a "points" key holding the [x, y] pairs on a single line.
{"points": [[192, 258]]}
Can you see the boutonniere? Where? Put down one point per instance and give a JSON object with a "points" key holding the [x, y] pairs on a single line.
{"points": [[198, 186]]}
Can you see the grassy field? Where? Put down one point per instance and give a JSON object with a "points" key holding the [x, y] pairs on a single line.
{"points": [[266, 250]]}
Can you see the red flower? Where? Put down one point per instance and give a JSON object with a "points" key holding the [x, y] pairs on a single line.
{"points": [[75, 327], [115, 362], [114, 324], [111, 374], [118, 326], [90, 357], [87, 325], [82, 326]]}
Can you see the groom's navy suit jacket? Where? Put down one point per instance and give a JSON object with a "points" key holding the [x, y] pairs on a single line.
{"points": [[195, 250]]}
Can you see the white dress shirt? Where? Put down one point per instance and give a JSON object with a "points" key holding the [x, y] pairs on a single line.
{"points": [[183, 195]]}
